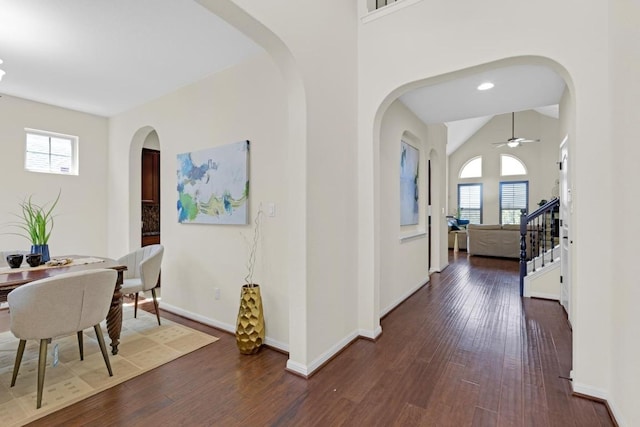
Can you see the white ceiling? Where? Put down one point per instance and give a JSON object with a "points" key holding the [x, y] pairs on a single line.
{"points": [[464, 109], [107, 56]]}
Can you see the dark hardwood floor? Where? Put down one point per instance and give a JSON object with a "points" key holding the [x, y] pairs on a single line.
{"points": [[464, 350]]}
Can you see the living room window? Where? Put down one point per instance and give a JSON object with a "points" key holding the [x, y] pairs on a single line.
{"points": [[49, 152], [472, 169], [470, 202], [511, 165], [514, 196]]}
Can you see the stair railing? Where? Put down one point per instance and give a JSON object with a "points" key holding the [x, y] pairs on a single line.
{"points": [[541, 228]]}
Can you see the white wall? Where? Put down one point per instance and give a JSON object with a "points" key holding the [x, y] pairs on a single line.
{"points": [[151, 141], [404, 262], [80, 215], [320, 55], [539, 158], [437, 135], [244, 102], [625, 337]]}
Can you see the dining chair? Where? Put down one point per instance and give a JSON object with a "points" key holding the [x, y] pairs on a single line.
{"points": [[142, 274], [59, 306]]}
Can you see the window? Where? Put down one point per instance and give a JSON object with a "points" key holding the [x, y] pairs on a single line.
{"points": [[511, 165], [514, 196], [470, 202], [383, 3], [49, 152], [472, 169]]}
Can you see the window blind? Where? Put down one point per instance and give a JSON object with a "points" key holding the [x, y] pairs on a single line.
{"points": [[514, 196], [470, 202]]}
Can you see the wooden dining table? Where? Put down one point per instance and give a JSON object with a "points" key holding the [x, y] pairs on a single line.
{"points": [[10, 279]]}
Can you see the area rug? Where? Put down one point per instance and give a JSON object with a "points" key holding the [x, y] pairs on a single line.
{"points": [[143, 346]]}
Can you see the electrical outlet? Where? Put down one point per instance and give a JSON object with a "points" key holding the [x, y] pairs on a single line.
{"points": [[217, 293]]}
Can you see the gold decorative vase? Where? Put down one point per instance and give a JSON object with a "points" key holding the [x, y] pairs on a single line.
{"points": [[250, 326]]}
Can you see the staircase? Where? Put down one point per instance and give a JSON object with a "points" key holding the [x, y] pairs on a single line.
{"points": [[543, 282], [540, 251]]}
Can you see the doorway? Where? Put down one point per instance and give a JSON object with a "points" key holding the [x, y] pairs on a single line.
{"points": [[565, 218], [429, 234], [150, 190]]}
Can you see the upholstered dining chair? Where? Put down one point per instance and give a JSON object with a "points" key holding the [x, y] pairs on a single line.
{"points": [[142, 274], [58, 306]]}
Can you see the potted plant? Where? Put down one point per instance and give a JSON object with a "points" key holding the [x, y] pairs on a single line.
{"points": [[36, 223], [250, 331]]}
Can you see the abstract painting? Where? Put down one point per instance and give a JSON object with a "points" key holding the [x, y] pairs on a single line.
{"points": [[213, 185], [409, 159]]}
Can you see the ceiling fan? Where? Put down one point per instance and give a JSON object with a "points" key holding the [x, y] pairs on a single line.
{"points": [[513, 142]]}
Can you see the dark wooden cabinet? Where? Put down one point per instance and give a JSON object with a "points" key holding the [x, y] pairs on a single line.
{"points": [[150, 197], [150, 176], [150, 240]]}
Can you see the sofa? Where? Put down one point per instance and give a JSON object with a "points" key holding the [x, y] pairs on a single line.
{"points": [[494, 240]]}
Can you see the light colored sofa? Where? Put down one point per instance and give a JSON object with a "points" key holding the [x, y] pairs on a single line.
{"points": [[494, 240]]}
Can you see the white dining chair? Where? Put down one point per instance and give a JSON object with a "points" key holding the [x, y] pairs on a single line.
{"points": [[142, 274], [57, 306]]}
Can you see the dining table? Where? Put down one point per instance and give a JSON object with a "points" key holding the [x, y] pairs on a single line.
{"points": [[11, 278]]}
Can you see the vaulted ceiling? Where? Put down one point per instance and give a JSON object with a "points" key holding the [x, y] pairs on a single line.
{"points": [[465, 109]]}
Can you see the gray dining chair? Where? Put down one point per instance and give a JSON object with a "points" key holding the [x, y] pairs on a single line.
{"points": [[59, 306], [142, 274]]}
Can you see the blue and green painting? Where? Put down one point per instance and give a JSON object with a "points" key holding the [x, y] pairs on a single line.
{"points": [[213, 185], [409, 159]]}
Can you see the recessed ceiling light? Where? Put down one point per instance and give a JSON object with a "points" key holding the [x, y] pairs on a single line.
{"points": [[486, 86]]}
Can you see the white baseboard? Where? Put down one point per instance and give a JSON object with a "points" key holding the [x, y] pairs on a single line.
{"points": [[368, 333], [403, 297], [306, 370], [598, 393], [589, 390], [297, 368], [219, 325], [543, 295], [616, 414]]}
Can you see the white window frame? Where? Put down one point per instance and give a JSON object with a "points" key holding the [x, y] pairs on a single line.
{"points": [[512, 157], [466, 164], [73, 140]]}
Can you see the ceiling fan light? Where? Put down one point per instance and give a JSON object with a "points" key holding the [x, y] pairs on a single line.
{"points": [[486, 86], [513, 144]]}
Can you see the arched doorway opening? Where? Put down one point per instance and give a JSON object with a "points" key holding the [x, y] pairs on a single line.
{"points": [[440, 189]]}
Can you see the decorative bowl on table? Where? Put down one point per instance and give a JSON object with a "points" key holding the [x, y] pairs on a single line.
{"points": [[34, 260], [14, 260]]}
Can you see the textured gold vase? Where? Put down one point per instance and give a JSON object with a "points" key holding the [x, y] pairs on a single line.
{"points": [[250, 326]]}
